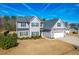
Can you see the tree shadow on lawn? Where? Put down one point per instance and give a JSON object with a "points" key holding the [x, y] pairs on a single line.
{"points": [[75, 48]]}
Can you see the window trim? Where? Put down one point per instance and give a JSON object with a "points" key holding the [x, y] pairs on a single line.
{"points": [[35, 33], [34, 24], [23, 24], [24, 33], [58, 24]]}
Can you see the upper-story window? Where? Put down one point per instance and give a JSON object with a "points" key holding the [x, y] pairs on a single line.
{"points": [[41, 24], [59, 24], [23, 24], [35, 24]]}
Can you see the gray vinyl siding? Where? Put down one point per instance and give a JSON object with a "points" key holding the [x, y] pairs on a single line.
{"points": [[47, 34], [55, 29]]}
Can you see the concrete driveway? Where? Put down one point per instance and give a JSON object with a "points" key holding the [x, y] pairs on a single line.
{"points": [[71, 39]]}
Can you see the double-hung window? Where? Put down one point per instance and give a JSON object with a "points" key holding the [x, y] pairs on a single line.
{"points": [[23, 24], [41, 25], [35, 33], [59, 24], [35, 24], [23, 33]]}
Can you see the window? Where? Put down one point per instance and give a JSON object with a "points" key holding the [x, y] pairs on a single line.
{"points": [[20, 33], [35, 33], [23, 24], [58, 24], [26, 33], [41, 25], [23, 33], [35, 24]]}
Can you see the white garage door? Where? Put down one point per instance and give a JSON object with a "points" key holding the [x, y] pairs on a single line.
{"points": [[59, 35]]}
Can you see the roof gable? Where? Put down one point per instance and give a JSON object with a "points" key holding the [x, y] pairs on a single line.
{"points": [[29, 18], [26, 18], [35, 18], [62, 25], [51, 22]]}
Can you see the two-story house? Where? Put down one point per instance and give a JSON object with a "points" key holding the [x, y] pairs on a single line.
{"points": [[27, 26]]}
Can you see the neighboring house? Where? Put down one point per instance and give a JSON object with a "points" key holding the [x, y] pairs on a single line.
{"points": [[67, 29], [54, 28], [28, 26], [71, 30], [74, 27]]}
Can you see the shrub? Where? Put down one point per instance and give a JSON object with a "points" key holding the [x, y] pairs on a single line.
{"points": [[1, 37], [74, 33], [14, 35], [8, 41], [36, 37]]}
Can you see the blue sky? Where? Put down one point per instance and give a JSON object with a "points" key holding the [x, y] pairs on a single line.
{"points": [[66, 11]]}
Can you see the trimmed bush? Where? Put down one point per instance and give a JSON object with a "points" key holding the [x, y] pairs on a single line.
{"points": [[36, 37], [8, 41], [14, 35]]}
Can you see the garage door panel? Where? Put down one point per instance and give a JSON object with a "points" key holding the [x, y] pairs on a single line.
{"points": [[58, 35]]}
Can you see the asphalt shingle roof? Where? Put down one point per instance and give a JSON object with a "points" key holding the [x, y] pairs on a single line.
{"points": [[51, 22], [46, 22], [24, 18]]}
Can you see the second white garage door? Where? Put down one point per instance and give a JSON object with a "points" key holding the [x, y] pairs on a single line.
{"points": [[59, 35]]}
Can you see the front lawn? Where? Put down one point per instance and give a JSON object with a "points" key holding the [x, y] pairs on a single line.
{"points": [[39, 47]]}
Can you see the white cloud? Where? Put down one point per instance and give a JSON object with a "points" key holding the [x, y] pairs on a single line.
{"points": [[11, 8], [4, 11], [27, 6], [30, 8], [46, 7]]}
